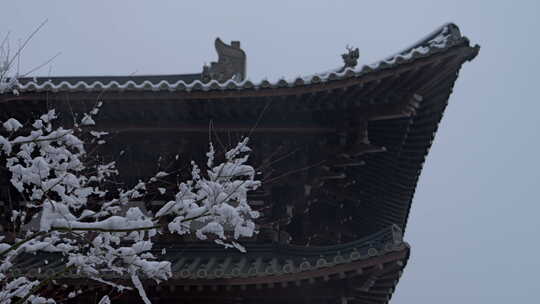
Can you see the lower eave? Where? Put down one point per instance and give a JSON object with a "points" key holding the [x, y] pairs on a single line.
{"points": [[369, 268]]}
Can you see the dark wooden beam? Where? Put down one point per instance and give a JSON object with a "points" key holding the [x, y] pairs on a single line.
{"points": [[219, 128]]}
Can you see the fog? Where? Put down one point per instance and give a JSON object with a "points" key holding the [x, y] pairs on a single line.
{"points": [[474, 222]]}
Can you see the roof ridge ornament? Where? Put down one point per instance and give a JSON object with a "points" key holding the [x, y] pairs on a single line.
{"points": [[350, 59], [231, 63]]}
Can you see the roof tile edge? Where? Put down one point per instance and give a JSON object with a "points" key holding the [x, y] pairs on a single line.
{"points": [[441, 39]]}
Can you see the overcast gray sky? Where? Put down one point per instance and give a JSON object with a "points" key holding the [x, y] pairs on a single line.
{"points": [[474, 225]]}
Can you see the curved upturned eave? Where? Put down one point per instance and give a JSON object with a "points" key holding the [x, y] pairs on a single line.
{"points": [[265, 89], [445, 38]]}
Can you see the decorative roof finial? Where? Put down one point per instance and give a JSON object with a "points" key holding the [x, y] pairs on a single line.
{"points": [[231, 63], [351, 57]]}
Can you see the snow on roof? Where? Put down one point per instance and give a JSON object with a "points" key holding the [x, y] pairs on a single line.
{"points": [[439, 40]]}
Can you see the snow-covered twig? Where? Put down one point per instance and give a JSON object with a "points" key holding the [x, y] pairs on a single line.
{"points": [[47, 165]]}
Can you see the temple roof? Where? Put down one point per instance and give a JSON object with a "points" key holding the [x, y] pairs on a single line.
{"points": [[374, 263], [443, 38], [372, 126], [393, 106]]}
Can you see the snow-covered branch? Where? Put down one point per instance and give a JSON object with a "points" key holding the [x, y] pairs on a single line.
{"points": [[95, 229]]}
